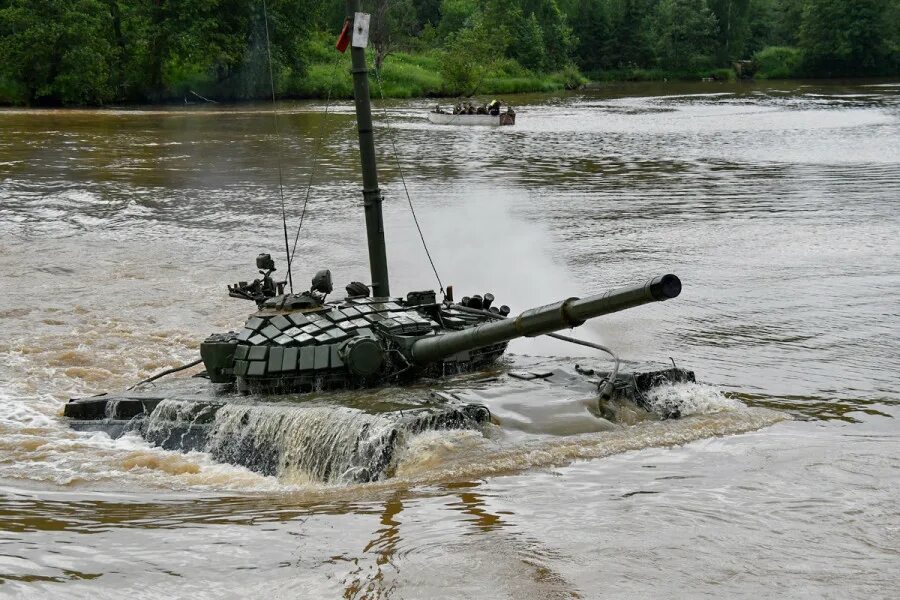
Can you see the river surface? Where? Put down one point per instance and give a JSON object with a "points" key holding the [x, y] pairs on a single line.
{"points": [[777, 205]]}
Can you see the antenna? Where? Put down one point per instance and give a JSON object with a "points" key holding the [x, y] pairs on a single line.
{"points": [[287, 248]]}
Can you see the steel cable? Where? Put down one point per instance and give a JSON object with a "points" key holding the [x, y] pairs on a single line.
{"points": [[403, 180]]}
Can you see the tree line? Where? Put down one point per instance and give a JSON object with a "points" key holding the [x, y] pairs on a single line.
{"points": [[78, 52], [824, 38]]}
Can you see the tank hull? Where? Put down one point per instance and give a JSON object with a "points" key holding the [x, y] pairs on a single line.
{"points": [[339, 437], [273, 435]]}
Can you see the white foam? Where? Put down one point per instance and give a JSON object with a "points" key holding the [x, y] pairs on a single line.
{"points": [[38, 446], [483, 459], [429, 450], [690, 399]]}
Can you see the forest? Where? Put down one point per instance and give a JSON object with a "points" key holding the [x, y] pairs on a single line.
{"points": [[96, 52]]}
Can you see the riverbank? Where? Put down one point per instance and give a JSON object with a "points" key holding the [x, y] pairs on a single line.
{"points": [[421, 75], [417, 75], [403, 75]]}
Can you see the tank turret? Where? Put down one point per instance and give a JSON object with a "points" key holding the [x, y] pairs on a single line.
{"points": [[300, 342]]}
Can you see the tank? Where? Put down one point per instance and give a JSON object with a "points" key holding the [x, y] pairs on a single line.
{"points": [[299, 343], [305, 373], [283, 378]]}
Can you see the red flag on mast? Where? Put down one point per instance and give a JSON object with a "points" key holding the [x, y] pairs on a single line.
{"points": [[344, 39]]}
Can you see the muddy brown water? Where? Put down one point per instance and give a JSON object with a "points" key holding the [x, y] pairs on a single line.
{"points": [[777, 204]]}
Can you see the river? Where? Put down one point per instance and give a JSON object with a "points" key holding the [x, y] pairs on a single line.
{"points": [[776, 203]]}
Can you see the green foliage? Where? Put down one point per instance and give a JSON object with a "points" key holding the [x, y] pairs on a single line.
{"points": [[631, 40], [520, 85], [455, 15], [428, 12], [324, 78], [76, 52], [732, 18], [393, 22], [789, 16], [11, 92], [466, 60], [570, 78], [594, 34], [685, 31], [557, 35], [778, 62], [406, 76], [630, 36], [57, 52], [528, 42], [845, 38], [720, 74], [95, 51], [761, 26]]}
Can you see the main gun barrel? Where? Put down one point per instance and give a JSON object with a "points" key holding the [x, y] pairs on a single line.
{"points": [[544, 319]]}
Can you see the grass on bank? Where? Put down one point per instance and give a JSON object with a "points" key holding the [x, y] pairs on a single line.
{"points": [[410, 75], [779, 62], [403, 76], [407, 75]]}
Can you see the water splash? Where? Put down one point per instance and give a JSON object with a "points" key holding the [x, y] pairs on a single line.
{"points": [[318, 443], [430, 459], [301, 442], [689, 399]]}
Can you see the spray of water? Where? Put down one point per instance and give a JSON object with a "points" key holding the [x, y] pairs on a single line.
{"points": [[301, 442], [690, 399], [318, 443], [482, 241]]}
